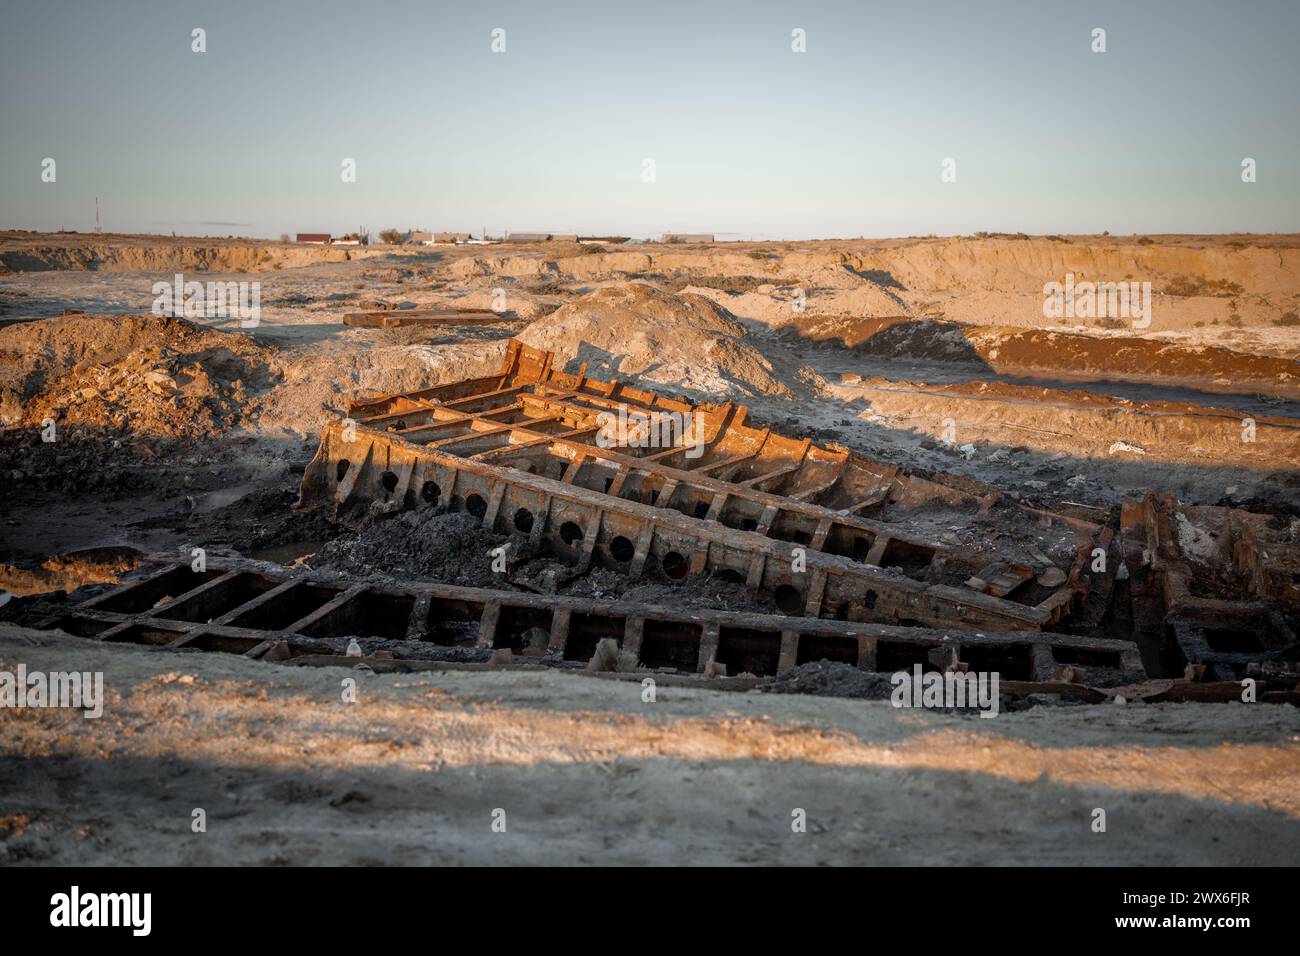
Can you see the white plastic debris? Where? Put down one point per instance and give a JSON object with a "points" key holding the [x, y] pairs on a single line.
{"points": [[1126, 446], [967, 451], [354, 649]]}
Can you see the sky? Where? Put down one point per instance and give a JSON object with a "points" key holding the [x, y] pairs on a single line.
{"points": [[748, 138]]}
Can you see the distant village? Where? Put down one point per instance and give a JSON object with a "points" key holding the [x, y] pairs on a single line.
{"points": [[419, 237]]}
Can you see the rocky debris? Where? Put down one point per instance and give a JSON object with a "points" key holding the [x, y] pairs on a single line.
{"points": [[451, 547], [99, 364], [454, 548], [831, 679], [653, 588], [155, 390]]}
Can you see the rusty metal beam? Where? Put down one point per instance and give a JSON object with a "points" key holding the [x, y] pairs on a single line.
{"points": [[310, 611]]}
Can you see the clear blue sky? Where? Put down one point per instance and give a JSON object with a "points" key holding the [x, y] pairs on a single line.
{"points": [[748, 138]]}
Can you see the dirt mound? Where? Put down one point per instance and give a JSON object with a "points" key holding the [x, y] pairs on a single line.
{"points": [[38, 252], [1124, 355], [636, 330], [1062, 354], [319, 384], [916, 338], [144, 374]]}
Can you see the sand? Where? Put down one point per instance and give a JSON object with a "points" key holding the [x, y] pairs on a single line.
{"points": [[586, 772]]}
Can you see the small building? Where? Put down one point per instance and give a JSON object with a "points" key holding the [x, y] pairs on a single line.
{"points": [[317, 238], [602, 240], [528, 237], [447, 238], [419, 237], [686, 237], [564, 237]]}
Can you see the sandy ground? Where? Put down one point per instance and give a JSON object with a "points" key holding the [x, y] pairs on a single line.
{"points": [[587, 773]]}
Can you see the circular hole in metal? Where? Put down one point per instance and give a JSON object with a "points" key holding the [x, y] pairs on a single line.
{"points": [[621, 549], [788, 599], [524, 520], [389, 480], [342, 469], [570, 532], [674, 565], [430, 492], [475, 505]]}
